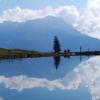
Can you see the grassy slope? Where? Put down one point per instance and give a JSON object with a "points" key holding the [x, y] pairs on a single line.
{"points": [[16, 53]]}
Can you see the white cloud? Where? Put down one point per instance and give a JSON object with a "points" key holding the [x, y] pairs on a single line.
{"points": [[94, 4], [19, 15], [89, 19], [1, 98], [69, 13], [89, 72], [23, 82], [86, 20]]}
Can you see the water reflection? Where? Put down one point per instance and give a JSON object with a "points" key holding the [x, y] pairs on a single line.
{"points": [[65, 56], [86, 73], [57, 61], [1, 98]]}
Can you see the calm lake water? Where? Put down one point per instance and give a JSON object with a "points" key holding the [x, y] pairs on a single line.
{"points": [[50, 79]]}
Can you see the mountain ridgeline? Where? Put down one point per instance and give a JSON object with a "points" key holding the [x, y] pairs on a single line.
{"points": [[39, 34]]}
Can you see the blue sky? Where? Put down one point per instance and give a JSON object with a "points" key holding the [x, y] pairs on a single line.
{"points": [[38, 4]]}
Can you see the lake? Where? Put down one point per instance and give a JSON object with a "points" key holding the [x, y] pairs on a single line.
{"points": [[54, 78]]}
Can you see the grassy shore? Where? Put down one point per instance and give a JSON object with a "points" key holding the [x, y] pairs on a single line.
{"points": [[16, 53], [20, 53]]}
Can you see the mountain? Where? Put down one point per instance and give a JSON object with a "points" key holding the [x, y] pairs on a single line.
{"points": [[39, 35]]}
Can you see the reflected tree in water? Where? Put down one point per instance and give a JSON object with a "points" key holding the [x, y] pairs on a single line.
{"points": [[57, 61], [65, 56]]}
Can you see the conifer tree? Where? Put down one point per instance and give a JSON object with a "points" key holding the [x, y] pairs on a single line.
{"points": [[56, 46]]}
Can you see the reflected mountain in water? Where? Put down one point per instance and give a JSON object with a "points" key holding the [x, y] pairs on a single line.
{"points": [[87, 74]]}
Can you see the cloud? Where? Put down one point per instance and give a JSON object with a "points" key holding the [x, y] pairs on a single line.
{"points": [[89, 72], [89, 20], [1, 98], [86, 20], [20, 15], [94, 4], [23, 82], [86, 73]]}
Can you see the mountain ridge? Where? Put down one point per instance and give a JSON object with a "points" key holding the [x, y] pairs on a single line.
{"points": [[40, 32]]}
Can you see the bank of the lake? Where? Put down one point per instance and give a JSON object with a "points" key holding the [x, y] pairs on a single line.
{"points": [[21, 53]]}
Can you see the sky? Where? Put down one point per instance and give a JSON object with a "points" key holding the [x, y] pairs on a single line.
{"points": [[83, 15], [38, 4]]}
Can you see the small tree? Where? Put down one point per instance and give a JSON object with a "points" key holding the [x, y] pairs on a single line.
{"points": [[56, 46]]}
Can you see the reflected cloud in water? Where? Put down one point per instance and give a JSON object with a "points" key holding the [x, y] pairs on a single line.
{"points": [[86, 73], [1, 98]]}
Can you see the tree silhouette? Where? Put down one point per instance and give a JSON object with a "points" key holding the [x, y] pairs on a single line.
{"points": [[56, 45]]}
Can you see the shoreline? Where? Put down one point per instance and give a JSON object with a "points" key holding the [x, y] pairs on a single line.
{"points": [[21, 53]]}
